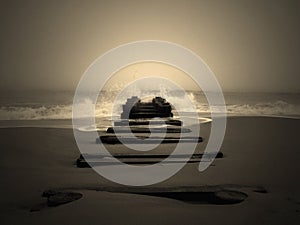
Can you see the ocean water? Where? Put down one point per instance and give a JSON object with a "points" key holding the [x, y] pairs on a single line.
{"points": [[49, 107]]}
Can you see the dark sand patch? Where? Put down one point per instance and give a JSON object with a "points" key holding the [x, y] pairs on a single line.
{"points": [[214, 195]]}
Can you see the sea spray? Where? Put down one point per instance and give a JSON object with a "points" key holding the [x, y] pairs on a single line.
{"points": [[237, 104]]}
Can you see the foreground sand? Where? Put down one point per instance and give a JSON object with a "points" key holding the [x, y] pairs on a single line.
{"points": [[259, 153]]}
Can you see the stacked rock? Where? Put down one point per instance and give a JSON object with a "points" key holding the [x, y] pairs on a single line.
{"points": [[143, 118], [135, 109]]}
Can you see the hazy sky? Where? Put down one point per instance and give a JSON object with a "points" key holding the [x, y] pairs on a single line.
{"points": [[249, 45]]}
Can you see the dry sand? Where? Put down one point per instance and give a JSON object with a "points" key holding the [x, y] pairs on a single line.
{"points": [[259, 154]]}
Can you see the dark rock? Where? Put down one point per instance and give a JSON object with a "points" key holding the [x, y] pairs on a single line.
{"points": [[49, 193], [229, 197], [147, 130], [260, 190], [60, 198], [81, 163], [134, 108], [111, 139], [147, 122], [139, 159]]}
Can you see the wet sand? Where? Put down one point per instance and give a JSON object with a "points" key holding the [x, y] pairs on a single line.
{"points": [[261, 159]]}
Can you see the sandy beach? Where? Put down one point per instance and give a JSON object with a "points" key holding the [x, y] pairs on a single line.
{"points": [[261, 159]]}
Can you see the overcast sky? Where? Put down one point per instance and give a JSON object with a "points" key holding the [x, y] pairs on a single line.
{"points": [[249, 45]]}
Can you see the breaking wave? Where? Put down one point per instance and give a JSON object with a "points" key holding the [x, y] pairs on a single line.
{"points": [[57, 112], [278, 108]]}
